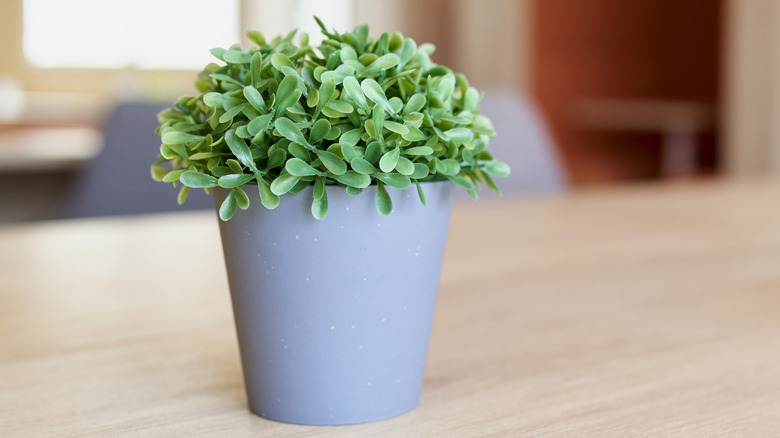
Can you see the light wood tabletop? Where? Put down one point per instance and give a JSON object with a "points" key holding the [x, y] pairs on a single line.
{"points": [[634, 311]]}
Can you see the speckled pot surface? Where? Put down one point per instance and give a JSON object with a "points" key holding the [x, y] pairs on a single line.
{"points": [[333, 316]]}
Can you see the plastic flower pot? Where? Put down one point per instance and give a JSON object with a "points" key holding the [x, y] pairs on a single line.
{"points": [[333, 316]]}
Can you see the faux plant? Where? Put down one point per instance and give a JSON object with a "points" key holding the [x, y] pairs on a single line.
{"points": [[352, 112]]}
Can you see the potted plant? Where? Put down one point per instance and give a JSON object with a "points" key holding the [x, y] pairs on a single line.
{"points": [[333, 313]]}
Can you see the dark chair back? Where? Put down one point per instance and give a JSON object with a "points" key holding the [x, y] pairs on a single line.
{"points": [[118, 180]]}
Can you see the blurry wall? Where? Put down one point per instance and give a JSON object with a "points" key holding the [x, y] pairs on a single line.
{"points": [[751, 114], [625, 82]]}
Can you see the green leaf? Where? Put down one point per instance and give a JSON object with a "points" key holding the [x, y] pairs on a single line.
{"points": [[420, 192], [197, 180], [299, 151], [259, 124], [382, 63], [326, 90], [459, 135], [418, 151], [340, 106], [395, 180], [267, 197], [348, 54], [298, 167], [396, 127], [420, 171], [175, 137], [235, 166], [319, 187], [319, 130], [353, 191], [374, 152], [383, 202], [242, 198], [226, 78], [451, 167], [362, 166], [351, 137], [497, 168], [257, 37], [255, 99], [332, 162], [234, 180], [218, 52], [408, 50], [276, 158], [404, 166], [319, 205], [183, 193], [471, 99], [228, 207], [290, 131], [214, 99], [414, 134], [239, 148], [236, 57], [373, 91], [378, 121], [228, 116], [287, 94], [353, 179], [158, 172], [463, 182], [355, 92], [279, 60], [414, 104], [389, 160], [173, 175], [283, 184]]}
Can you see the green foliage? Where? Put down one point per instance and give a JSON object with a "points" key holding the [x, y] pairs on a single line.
{"points": [[352, 112]]}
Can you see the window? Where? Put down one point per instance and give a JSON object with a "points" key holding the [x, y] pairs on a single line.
{"points": [[144, 34]]}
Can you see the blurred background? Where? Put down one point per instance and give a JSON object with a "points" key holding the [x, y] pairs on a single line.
{"points": [[582, 93]]}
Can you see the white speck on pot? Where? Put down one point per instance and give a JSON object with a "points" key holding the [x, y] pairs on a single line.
{"points": [[274, 244], [347, 208], [315, 239], [368, 383], [378, 225], [365, 279], [352, 326], [384, 319], [307, 278], [360, 347], [333, 327], [297, 237], [417, 254]]}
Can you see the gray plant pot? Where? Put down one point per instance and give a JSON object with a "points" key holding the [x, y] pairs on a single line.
{"points": [[334, 316]]}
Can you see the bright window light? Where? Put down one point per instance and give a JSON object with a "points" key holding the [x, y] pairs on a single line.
{"points": [[336, 14], [144, 34]]}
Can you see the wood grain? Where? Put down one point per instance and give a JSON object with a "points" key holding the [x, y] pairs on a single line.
{"points": [[641, 311]]}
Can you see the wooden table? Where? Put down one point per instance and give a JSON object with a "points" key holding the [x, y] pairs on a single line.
{"points": [[641, 311]]}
